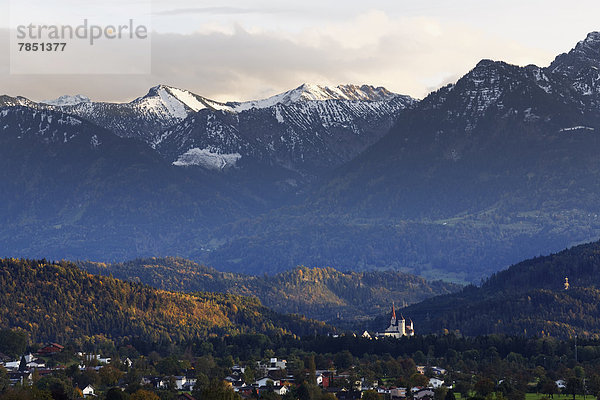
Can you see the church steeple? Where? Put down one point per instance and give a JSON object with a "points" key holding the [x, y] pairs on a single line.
{"points": [[393, 311]]}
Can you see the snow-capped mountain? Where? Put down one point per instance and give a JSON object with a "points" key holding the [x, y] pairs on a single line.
{"points": [[143, 118], [8, 101], [308, 92], [67, 100], [304, 130]]}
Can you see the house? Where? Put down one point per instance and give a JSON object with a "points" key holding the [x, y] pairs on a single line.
{"points": [[435, 383], [12, 365], [50, 349], [20, 377], [88, 391], [324, 378], [99, 358], [32, 362], [561, 384], [424, 394], [185, 383], [154, 381], [438, 371], [280, 390], [236, 369], [263, 382], [274, 364], [397, 393]]}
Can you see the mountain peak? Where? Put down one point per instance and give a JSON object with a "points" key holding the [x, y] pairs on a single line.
{"points": [[312, 92], [588, 48], [67, 100], [344, 92], [585, 55], [177, 102]]}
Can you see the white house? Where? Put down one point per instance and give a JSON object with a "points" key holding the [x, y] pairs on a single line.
{"points": [[280, 390], [12, 365], [88, 391], [435, 383], [184, 383], [263, 382]]}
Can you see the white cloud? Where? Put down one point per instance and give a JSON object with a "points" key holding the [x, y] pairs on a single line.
{"points": [[411, 55]]}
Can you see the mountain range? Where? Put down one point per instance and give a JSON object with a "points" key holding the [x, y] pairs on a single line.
{"points": [[301, 130], [498, 167]]}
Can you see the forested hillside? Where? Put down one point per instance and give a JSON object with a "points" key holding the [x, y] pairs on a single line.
{"points": [[528, 298], [58, 301], [322, 293]]}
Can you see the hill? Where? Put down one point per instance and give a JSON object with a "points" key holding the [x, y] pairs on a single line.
{"points": [[342, 298], [58, 301], [528, 298]]}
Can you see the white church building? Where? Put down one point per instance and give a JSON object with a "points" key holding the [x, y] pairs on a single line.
{"points": [[398, 327]]}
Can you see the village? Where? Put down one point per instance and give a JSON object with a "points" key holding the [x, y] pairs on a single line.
{"points": [[229, 369], [272, 377]]}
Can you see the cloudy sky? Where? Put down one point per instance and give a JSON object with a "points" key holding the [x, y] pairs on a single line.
{"points": [[240, 50]]}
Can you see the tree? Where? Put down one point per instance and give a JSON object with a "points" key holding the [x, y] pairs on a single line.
{"points": [[58, 388], [370, 395], [463, 387], [312, 370], [450, 395], [343, 360], [218, 390], [549, 388], [484, 386], [573, 386], [116, 393], [142, 394], [13, 342], [110, 375], [418, 379], [440, 393]]}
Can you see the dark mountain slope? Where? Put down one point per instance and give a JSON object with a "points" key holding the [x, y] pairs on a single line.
{"points": [[73, 189], [528, 298]]}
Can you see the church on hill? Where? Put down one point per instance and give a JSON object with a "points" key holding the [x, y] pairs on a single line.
{"points": [[398, 327]]}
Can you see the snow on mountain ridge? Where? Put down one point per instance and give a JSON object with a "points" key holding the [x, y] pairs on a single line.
{"points": [[311, 92], [67, 100]]}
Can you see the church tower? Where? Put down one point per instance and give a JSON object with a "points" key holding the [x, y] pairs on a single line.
{"points": [[402, 326]]}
